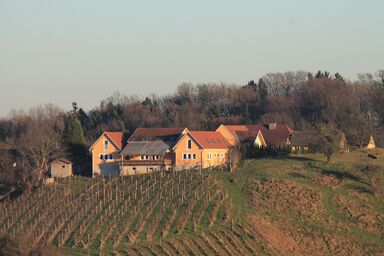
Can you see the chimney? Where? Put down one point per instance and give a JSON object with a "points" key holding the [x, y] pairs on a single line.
{"points": [[272, 126]]}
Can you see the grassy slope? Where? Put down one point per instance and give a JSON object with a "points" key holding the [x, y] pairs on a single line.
{"points": [[326, 209], [271, 206]]}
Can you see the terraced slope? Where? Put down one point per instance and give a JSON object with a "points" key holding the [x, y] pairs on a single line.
{"points": [[289, 206]]}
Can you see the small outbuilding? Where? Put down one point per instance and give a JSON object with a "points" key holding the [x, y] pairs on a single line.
{"points": [[371, 143], [60, 168]]}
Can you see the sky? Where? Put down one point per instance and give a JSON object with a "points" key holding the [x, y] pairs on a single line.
{"points": [[84, 50]]}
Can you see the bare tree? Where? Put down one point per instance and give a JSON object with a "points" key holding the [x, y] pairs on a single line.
{"points": [[39, 142], [234, 158], [38, 146]]}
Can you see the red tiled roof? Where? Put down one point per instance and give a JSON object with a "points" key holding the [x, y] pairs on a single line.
{"points": [[117, 137], [235, 128], [149, 134], [210, 140], [274, 136], [277, 136]]}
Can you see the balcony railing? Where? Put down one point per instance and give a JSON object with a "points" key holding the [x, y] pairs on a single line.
{"points": [[144, 162]]}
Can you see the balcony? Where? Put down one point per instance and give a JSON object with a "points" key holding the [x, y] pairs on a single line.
{"points": [[145, 162]]}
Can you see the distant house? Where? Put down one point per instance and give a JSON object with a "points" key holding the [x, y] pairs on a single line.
{"points": [[150, 149], [268, 135], [106, 153], [60, 168], [304, 141], [201, 149]]}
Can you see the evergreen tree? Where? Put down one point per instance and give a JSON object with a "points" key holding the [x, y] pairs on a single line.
{"points": [[76, 143], [73, 132]]}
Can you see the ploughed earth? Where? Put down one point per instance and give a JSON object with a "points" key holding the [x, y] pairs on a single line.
{"points": [[303, 206]]}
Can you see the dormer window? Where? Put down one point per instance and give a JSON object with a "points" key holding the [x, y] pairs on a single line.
{"points": [[106, 144], [189, 144]]}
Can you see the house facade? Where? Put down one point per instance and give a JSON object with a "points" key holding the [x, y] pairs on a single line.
{"points": [[150, 149], [106, 153], [203, 149]]}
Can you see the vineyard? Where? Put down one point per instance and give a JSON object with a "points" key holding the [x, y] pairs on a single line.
{"points": [[286, 206], [178, 213]]}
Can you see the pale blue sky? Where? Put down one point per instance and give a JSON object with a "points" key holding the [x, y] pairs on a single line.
{"points": [[84, 50]]}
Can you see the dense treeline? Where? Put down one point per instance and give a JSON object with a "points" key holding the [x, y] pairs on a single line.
{"points": [[301, 99]]}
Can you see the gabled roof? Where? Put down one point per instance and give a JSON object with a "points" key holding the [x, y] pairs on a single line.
{"points": [[232, 129], [63, 160], [117, 138], [273, 134], [210, 140], [276, 136], [151, 134], [250, 136]]}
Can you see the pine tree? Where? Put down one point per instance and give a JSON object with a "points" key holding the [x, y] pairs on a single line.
{"points": [[75, 141], [73, 133]]}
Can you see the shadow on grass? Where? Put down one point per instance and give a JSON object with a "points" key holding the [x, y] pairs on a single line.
{"points": [[359, 188], [287, 157], [339, 174], [297, 175]]}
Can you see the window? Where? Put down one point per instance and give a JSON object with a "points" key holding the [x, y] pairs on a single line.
{"points": [[146, 157], [222, 155], [194, 156], [106, 144], [189, 144], [189, 156], [63, 166], [142, 157], [110, 157], [184, 156], [209, 156], [101, 157], [215, 155], [106, 157]]}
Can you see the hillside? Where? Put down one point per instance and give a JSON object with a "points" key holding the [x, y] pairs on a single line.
{"points": [[282, 206]]}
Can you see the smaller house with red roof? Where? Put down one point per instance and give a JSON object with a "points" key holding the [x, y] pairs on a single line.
{"points": [[106, 153], [268, 135]]}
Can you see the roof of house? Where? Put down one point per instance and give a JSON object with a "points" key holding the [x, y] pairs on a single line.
{"points": [[232, 129], [304, 138], [63, 160], [150, 148], [210, 140], [274, 134], [151, 134], [117, 138], [246, 136]]}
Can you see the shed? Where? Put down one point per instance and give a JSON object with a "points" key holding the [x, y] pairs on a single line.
{"points": [[60, 168]]}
